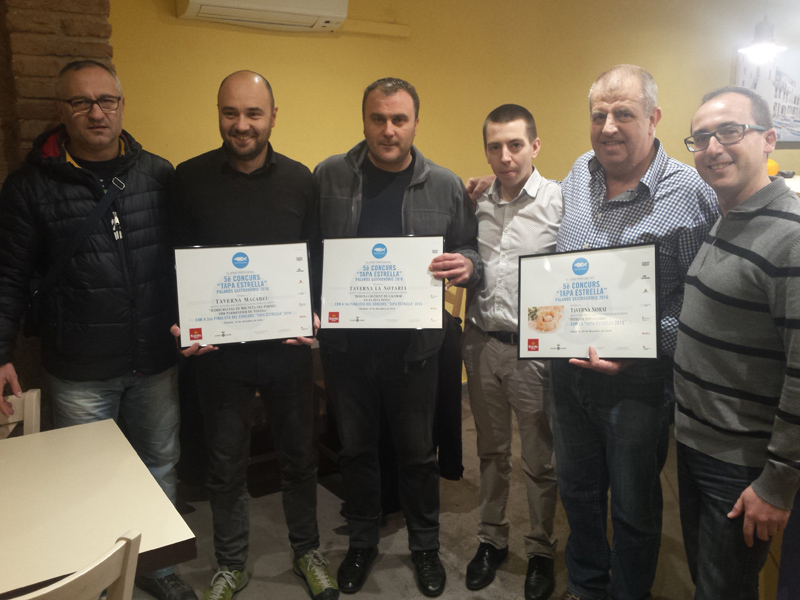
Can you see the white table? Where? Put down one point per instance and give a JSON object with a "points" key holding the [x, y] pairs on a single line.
{"points": [[65, 497], [794, 184]]}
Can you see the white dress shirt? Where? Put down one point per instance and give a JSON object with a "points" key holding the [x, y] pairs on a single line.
{"points": [[507, 230]]}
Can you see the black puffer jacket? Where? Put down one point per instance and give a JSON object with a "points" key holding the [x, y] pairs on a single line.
{"points": [[110, 311]]}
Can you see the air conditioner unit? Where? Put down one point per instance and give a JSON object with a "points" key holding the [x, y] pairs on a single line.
{"points": [[284, 15]]}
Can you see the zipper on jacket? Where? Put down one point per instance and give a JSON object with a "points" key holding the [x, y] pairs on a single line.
{"points": [[116, 227]]}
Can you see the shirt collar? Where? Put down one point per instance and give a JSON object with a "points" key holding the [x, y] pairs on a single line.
{"points": [[649, 181], [531, 188], [71, 160]]}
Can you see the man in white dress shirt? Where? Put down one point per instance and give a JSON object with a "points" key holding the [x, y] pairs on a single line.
{"points": [[518, 215]]}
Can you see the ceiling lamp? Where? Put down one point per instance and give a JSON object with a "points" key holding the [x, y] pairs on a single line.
{"points": [[763, 49]]}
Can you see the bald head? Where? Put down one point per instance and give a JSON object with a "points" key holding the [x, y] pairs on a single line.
{"points": [[244, 78], [246, 118]]}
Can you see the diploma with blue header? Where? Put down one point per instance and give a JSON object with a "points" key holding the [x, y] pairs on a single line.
{"points": [[605, 298], [381, 283], [243, 293]]}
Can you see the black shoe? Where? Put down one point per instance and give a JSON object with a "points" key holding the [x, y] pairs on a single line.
{"points": [[169, 587], [540, 581], [481, 569], [429, 571], [354, 569]]}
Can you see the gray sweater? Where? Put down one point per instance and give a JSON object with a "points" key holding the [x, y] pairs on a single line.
{"points": [[737, 363]]}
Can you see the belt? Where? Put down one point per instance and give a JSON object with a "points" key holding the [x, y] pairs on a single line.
{"points": [[506, 337]]}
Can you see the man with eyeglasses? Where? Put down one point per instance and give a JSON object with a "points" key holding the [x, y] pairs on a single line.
{"points": [[105, 298], [611, 417], [737, 364]]}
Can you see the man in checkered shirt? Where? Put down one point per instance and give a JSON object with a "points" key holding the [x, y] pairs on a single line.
{"points": [[611, 417]]}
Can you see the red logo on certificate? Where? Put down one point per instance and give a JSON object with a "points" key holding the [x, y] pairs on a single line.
{"points": [[333, 317], [533, 345], [196, 333]]}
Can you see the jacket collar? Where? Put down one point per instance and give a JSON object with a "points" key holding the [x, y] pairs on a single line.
{"points": [[357, 154], [50, 147]]}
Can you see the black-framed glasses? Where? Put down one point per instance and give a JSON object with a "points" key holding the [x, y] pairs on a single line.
{"points": [[727, 135], [84, 105]]}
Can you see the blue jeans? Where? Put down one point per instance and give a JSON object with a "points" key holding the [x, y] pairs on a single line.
{"points": [[611, 432], [227, 383], [721, 564], [148, 413], [361, 383], [789, 578]]}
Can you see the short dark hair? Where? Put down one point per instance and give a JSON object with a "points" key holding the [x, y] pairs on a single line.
{"points": [[80, 65], [511, 112], [389, 86], [759, 109]]}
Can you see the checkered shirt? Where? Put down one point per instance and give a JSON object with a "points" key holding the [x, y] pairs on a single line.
{"points": [[671, 205]]}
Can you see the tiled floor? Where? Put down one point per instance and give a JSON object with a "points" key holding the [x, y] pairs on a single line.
{"points": [[391, 577]]}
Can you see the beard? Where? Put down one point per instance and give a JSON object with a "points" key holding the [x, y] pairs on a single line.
{"points": [[250, 154]]}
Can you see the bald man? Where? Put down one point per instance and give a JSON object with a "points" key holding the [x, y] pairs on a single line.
{"points": [[246, 193]]}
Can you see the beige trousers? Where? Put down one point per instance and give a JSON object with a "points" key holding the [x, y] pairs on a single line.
{"points": [[500, 383]]}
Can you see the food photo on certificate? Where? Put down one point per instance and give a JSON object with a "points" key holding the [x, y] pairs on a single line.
{"points": [[604, 298]]}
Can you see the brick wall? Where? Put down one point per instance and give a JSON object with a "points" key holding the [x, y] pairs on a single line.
{"points": [[37, 38]]}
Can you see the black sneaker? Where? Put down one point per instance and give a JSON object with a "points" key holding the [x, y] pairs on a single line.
{"points": [[169, 587]]}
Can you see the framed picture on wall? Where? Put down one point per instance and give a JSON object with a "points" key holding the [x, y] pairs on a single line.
{"points": [[777, 81]]}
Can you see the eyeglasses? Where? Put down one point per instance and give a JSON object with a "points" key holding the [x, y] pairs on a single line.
{"points": [[727, 135], [83, 105]]}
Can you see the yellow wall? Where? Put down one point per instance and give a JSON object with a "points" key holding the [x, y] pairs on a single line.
{"points": [[464, 56]]}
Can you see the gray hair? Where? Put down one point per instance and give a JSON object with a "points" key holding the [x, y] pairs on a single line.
{"points": [[617, 76], [80, 65]]}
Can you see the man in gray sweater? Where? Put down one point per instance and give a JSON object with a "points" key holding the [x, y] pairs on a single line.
{"points": [[737, 363]]}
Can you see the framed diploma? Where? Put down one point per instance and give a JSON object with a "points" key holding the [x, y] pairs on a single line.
{"points": [[243, 293], [381, 283], [604, 298]]}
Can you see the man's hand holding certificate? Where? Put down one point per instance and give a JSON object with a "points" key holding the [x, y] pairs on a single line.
{"points": [[243, 293], [602, 301]]}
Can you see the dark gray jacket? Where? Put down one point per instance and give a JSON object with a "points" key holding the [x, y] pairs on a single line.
{"points": [[435, 203]]}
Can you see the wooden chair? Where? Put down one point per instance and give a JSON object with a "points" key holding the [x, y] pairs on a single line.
{"points": [[113, 572], [26, 411], [454, 301]]}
